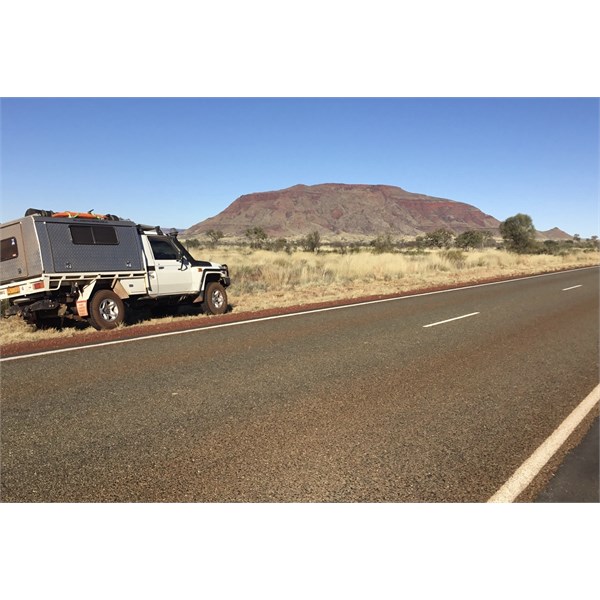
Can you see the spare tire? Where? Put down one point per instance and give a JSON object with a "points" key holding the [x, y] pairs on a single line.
{"points": [[38, 211]]}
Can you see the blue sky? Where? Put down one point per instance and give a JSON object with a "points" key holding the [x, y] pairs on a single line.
{"points": [[176, 162]]}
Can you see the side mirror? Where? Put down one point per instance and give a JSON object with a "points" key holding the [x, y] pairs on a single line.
{"points": [[182, 259]]}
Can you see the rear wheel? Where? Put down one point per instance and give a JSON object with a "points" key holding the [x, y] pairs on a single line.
{"points": [[107, 310], [215, 299]]}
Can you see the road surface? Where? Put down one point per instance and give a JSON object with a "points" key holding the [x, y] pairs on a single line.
{"points": [[430, 398]]}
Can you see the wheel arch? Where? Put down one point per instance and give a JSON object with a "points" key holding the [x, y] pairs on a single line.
{"points": [[210, 276]]}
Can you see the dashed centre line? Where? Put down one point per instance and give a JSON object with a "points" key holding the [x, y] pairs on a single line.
{"points": [[453, 319], [289, 315], [571, 288]]}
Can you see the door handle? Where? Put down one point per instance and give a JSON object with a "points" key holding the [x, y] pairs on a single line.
{"points": [[161, 267]]}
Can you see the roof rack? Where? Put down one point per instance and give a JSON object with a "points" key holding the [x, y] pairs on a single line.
{"points": [[71, 214]]}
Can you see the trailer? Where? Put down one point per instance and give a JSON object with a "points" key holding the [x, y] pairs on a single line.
{"points": [[98, 267]]}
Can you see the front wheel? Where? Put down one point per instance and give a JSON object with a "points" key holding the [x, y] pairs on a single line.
{"points": [[107, 310], [215, 299]]}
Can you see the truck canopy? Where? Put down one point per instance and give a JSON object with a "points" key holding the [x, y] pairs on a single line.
{"points": [[37, 245]]}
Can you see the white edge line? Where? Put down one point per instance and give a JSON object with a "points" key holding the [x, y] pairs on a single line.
{"points": [[525, 474], [571, 288], [295, 314], [453, 319]]}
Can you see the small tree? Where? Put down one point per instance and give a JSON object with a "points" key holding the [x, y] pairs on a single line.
{"points": [[214, 236], [257, 237], [382, 243], [469, 239], [312, 242], [518, 233], [440, 238]]}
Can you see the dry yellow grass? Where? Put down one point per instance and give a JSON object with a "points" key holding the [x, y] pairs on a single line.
{"points": [[263, 279]]}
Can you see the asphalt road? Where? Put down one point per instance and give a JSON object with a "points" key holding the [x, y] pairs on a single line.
{"points": [[358, 404], [577, 478]]}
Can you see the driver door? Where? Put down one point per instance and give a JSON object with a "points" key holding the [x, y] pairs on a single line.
{"points": [[173, 273]]}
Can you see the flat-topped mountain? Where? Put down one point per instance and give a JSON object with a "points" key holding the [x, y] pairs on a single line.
{"points": [[336, 209]]}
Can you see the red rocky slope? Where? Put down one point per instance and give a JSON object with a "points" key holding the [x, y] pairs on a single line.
{"points": [[339, 209]]}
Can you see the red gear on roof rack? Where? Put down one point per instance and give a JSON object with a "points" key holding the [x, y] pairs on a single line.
{"points": [[78, 215]]}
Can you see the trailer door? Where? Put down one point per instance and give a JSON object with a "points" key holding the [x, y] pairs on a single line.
{"points": [[13, 261]]}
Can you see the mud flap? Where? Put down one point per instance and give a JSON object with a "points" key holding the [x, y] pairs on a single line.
{"points": [[81, 306], [120, 291], [82, 302]]}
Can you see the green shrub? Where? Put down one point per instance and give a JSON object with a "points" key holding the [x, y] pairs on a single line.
{"points": [[440, 238], [469, 239], [257, 237], [382, 243]]}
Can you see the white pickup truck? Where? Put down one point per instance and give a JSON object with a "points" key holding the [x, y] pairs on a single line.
{"points": [[96, 267]]}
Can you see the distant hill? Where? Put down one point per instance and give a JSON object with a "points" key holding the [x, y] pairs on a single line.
{"points": [[553, 234], [345, 209]]}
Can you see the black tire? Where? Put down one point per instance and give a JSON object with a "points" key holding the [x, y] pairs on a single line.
{"points": [[215, 299], [38, 211], [107, 310]]}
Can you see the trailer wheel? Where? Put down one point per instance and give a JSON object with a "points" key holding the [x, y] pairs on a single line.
{"points": [[107, 310], [215, 299]]}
